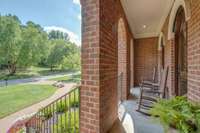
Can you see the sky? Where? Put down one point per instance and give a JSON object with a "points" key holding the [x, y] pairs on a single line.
{"points": [[64, 15]]}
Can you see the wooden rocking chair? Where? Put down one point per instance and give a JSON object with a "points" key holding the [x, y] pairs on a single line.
{"points": [[151, 83], [149, 96]]}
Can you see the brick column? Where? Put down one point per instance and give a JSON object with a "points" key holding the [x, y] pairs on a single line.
{"points": [[90, 88]]}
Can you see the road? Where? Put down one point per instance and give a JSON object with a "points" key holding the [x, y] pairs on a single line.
{"points": [[33, 79]]}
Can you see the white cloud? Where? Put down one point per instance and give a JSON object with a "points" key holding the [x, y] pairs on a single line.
{"points": [[79, 16], [73, 37], [76, 2]]}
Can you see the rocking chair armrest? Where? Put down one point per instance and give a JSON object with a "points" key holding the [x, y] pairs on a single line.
{"points": [[149, 98], [147, 82], [155, 91], [155, 84], [151, 91], [148, 85]]}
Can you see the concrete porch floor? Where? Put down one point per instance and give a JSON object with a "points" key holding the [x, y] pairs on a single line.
{"points": [[131, 121]]}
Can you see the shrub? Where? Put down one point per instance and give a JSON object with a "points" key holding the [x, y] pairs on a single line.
{"points": [[67, 123], [47, 114], [179, 113], [61, 108]]}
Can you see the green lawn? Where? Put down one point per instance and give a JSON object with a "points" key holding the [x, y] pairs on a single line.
{"points": [[17, 97], [73, 78], [60, 78], [31, 72]]}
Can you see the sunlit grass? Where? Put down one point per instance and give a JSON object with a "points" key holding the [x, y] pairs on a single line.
{"points": [[17, 97], [72, 78], [31, 72]]}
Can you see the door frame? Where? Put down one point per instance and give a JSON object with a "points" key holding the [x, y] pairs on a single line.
{"points": [[177, 27]]}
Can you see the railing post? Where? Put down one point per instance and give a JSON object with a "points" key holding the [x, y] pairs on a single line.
{"points": [[27, 128]]}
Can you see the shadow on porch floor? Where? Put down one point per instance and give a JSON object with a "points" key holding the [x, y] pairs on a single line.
{"points": [[131, 121]]}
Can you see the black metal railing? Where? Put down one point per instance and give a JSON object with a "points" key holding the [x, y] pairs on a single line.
{"points": [[119, 86], [60, 116]]}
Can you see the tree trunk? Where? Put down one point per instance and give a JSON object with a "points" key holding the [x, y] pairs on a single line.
{"points": [[51, 67], [12, 68]]}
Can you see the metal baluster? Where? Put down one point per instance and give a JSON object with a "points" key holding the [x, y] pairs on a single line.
{"points": [[74, 111], [44, 123], [70, 111], [50, 119], [36, 116], [65, 114], [61, 128], [41, 118], [79, 109], [57, 116], [53, 117]]}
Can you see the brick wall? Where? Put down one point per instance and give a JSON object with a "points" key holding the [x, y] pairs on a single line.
{"points": [[90, 86], [169, 57], [145, 58], [194, 52], [122, 59], [110, 41], [100, 64]]}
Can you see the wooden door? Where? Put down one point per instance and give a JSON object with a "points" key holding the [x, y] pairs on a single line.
{"points": [[180, 53]]}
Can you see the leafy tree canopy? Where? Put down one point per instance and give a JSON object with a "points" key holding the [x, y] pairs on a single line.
{"points": [[10, 41], [56, 34], [28, 45]]}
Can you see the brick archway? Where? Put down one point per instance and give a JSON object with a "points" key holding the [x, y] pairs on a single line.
{"points": [[180, 46], [185, 4], [178, 3], [122, 58]]}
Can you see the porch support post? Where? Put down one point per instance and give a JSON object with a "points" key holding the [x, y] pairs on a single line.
{"points": [[90, 84]]}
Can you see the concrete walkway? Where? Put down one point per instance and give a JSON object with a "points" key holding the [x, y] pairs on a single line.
{"points": [[6, 122], [131, 121]]}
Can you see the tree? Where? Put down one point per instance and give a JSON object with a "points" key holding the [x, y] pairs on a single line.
{"points": [[34, 45], [72, 59], [28, 45], [57, 53], [56, 34], [10, 41]]}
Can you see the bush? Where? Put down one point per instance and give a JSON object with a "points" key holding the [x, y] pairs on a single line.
{"points": [[67, 123], [61, 108], [179, 113], [47, 115]]}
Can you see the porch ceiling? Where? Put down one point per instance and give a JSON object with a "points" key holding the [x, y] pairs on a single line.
{"points": [[146, 17]]}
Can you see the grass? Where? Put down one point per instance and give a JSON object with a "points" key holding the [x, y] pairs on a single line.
{"points": [[63, 78], [72, 78], [16, 97], [31, 72]]}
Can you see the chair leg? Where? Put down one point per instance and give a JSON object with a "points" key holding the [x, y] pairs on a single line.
{"points": [[140, 98]]}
